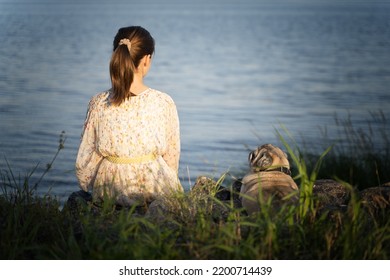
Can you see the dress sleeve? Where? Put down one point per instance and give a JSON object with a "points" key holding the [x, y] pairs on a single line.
{"points": [[172, 154], [88, 159]]}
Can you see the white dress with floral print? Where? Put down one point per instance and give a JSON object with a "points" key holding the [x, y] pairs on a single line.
{"points": [[144, 124]]}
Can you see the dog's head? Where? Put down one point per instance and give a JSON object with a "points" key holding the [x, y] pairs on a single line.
{"points": [[268, 157]]}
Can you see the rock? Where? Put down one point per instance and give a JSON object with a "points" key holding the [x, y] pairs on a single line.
{"points": [[80, 203], [78, 199], [376, 199], [334, 198], [209, 187], [331, 194], [75, 206], [205, 189], [159, 209], [236, 188]]}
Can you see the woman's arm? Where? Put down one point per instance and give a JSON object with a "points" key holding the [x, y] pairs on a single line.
{"points": [[88, 159], [172, 155]]}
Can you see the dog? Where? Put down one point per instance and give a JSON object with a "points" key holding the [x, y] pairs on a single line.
{"points": [[269, 178]]}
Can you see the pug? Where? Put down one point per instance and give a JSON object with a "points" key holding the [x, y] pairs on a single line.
{"points": [[269, 178]]}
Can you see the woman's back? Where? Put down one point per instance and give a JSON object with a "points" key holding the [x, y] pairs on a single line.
{"points": [[137, 127], [130, 145]]}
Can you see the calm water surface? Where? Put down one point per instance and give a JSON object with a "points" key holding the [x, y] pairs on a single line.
{"points": [[236, 70]]}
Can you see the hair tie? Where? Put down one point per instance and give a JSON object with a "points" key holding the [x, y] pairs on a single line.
{"points": [[126, 42]]}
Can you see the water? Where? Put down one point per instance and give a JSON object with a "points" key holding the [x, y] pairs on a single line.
{"points": [[236, 70]]}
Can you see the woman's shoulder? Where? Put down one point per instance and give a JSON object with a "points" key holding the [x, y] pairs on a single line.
{"points": [[99, 99], [162, 96]]}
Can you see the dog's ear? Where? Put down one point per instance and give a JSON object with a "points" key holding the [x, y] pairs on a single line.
{"points": [[251, 157]]}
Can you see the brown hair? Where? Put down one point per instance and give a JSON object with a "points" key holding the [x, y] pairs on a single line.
{"points": [[124, 61]]}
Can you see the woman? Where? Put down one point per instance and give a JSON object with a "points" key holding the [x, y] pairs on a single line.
{"points": [[130, 145]]}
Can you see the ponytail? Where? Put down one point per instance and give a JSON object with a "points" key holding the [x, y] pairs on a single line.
{"points": [[131, 44], [122, 73]]}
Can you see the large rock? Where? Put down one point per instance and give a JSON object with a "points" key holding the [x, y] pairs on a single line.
{"points": [[331, 194], [376, 199]]}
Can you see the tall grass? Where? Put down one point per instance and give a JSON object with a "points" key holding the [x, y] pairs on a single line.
{"points": [[194, 225], [360, 155], [29, 224]]}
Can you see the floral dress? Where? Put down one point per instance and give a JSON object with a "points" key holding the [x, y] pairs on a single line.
{"points": [[130, 152]]}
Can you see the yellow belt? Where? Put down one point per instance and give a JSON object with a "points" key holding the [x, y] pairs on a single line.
{"points": [[128, 160]]}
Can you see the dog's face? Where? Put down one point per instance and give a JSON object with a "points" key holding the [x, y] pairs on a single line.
{"points": [[267, 157]]}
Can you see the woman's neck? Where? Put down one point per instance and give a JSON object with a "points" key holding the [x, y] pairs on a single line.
{"points": [[138, 85]]}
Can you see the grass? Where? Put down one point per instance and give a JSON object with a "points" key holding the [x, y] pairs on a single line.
{"points": [[362, 157], [196, 225]]}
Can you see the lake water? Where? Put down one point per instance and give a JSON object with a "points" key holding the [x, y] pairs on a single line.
{"points": [[237, 70]]}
